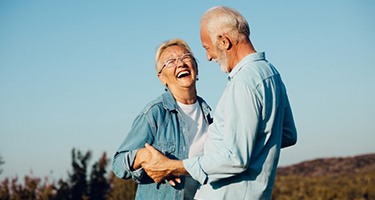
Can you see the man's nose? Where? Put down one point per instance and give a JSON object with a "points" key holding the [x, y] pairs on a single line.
{"points": [[209, 58]]}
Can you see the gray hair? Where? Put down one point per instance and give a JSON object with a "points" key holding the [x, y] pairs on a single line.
{"points": [[222, 19], [168, 43]]}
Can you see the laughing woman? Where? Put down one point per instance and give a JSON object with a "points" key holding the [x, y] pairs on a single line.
{"points": [[175, 123]]}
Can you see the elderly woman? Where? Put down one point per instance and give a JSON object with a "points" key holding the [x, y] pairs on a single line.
{"points": [[175, 123]]}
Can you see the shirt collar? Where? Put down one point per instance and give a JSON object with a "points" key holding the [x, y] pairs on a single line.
{"points": [[170, 104], [168, 100], [247, 59]]}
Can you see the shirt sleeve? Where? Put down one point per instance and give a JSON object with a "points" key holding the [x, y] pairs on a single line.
{"points": [[230, 142], [289, 136], [140, 133]]}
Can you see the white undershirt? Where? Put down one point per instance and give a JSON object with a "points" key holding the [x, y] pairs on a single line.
{"points": [[197, 134], [197, 127]]}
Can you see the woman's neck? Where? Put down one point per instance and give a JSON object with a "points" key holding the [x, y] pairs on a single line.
{"points": [[188, 96]]}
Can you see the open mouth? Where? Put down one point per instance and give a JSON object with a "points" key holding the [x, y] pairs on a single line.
{"points": [[183, 74]]}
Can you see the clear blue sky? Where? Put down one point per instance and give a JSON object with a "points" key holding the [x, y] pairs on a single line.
{"points": [[74, 74]]}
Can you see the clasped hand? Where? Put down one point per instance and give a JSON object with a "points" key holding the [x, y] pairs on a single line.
{"points": [[157, 167]]}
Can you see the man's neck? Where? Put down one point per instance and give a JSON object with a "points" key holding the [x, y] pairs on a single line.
{"points": [[238, 52]]}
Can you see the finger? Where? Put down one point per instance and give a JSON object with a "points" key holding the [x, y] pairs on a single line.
{"points": [[150, 148], [171, 182], [177, 179]]}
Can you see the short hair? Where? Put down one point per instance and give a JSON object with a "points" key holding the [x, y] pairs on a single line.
{"points": [[222, 19], [169, 43]]}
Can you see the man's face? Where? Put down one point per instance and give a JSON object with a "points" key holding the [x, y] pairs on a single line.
{"points": [[213, 51], [179, 70]]}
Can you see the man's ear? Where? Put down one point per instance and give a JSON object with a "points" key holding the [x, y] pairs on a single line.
{"points": [[224, 41]]}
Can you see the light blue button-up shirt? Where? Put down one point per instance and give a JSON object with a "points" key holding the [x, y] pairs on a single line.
{"points": [[252, 122]]}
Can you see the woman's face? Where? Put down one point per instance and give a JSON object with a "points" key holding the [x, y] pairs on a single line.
{"points": [[178, 71]]}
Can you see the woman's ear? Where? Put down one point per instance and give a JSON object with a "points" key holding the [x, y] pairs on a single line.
{"points": [[162, 79], [196, 65]]}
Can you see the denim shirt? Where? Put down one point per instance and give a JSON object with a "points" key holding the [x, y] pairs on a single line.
{"points": [[253, 121], [161, 125]]}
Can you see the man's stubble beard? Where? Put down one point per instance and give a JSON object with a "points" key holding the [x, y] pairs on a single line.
{"points": [[222, 59]]}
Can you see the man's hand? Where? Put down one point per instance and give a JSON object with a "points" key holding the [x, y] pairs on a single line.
{"points": [[142, 156], [160, 167], [157, 166]]}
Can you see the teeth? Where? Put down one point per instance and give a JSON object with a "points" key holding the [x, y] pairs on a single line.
{"points": [[182, 74]]}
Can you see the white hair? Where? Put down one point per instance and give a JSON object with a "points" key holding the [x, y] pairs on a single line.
{"points": [[222, 20], [168, 43]]}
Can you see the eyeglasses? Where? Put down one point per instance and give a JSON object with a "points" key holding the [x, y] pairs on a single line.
{"points": [[173, 61]]}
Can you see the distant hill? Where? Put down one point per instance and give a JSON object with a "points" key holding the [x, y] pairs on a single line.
{"points": [[344, 178], [330, 166]]}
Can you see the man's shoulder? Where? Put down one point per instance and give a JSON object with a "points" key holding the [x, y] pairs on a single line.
{"points": [[254, 73]]}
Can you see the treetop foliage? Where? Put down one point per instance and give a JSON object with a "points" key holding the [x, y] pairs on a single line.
{"points": [[321, 179]]}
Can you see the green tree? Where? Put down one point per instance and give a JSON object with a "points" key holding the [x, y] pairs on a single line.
{"points": [[2, 162], [4, 189], [121, 189], [99, 185], [63, 191], [78, 179]]}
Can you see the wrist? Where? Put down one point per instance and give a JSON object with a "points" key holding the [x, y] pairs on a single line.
{"points": [[177, 168]]}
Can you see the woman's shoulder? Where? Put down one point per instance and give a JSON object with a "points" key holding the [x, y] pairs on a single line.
{"points": [[203, 103], [155, 104]]}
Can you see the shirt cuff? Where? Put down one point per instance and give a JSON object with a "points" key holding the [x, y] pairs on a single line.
{"points": [[128, 166], [195, 170]]}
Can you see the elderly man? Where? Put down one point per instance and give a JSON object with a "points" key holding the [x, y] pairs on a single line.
{"points": [[252, 122]]}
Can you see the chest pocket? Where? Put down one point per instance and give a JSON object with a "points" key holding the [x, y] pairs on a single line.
{"points": [[167, 148]]}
